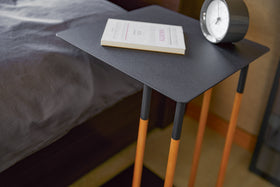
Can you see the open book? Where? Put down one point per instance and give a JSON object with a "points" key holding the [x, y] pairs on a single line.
{"points": [[144, 36]]}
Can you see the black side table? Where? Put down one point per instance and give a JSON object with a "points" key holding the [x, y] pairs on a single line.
{"points": [[179, 77]]}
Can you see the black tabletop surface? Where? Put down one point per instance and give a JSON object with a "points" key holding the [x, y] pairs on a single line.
{"points": [[180, 77]]}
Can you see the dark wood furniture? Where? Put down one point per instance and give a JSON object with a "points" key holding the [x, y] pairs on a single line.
{"points": [[85, 146]]}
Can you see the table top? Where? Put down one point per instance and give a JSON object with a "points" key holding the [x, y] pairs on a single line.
{"points": [[179, 77]]}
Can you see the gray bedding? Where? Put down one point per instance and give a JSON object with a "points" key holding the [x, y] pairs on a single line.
{"points": [[47, 86]]}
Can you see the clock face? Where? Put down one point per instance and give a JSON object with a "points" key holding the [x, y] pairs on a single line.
{"points": [[216, 19], [224, 21]]}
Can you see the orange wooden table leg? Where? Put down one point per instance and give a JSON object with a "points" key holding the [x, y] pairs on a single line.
{"points": [[229, 139], [142, 134], [174, 145], [200, 134], [140, 149], [232, 126], [171, 164]]}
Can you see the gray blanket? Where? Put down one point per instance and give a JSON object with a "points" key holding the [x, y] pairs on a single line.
{"points": [[47, 86]]}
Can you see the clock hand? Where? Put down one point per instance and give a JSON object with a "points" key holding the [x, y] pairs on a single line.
{"points": [[218, 20], [218, 8]]}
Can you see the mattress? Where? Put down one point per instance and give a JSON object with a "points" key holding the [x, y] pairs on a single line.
{"points": [[47, 86]]}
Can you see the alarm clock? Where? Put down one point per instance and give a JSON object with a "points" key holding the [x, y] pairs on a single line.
{"points": [[224, 21]]}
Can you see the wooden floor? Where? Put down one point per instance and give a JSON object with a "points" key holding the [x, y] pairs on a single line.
{"points": [[156, 158]]}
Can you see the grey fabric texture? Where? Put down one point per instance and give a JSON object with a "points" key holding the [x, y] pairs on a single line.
{"points": [[46, 85]]}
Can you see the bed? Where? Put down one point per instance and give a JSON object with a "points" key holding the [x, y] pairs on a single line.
{"points": [[58, 105]]}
